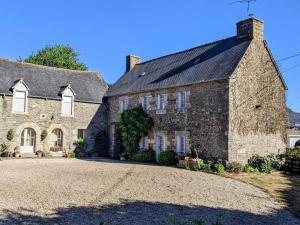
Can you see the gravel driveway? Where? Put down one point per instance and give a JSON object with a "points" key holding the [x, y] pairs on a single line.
{"points": [[72, 191]]}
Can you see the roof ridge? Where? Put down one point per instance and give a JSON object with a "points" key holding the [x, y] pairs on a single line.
{"points": [[186, 50], [46, 67]]}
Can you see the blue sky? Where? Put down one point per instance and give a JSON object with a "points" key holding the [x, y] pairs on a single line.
{"points": [[104, 32]]}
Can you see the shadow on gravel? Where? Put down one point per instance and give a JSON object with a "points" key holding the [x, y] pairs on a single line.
{"points": [[144, 213]]}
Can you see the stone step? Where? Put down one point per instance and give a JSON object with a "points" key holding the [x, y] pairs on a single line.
{"points": [[28, 155]]}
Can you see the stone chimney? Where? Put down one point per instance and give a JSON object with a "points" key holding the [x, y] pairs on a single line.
{"points": [[131, 61], [251, 28]]}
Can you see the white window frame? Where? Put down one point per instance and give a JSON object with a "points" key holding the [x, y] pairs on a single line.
{"points": [[122, 105], [160, 102], [182, 104], [64, 97], [15, 93], [181, 144], [83, 133], [163, 144], [145, 103], [144, 143]]}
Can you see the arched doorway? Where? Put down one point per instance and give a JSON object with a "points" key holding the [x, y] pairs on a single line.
{"points": [[56, 138], [28, 140]]}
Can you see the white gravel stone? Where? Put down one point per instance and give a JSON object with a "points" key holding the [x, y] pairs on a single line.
{"points": [[72, 191]]}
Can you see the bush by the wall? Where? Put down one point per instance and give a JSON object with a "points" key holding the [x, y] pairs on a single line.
{"points": [[263, 164], [234, 167], [248, 169], [10, 135], [292, 160], [219, 167], [144, 155], [277, 161], [168, 157]]}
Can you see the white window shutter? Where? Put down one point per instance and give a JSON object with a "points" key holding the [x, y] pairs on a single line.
{"points": [[179, 100], [178, 144]]}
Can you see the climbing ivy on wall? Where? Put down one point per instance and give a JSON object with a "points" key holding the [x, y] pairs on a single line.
{"points": [[134, 124]]}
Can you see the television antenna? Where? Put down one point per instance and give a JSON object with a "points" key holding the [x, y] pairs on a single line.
{"points": [[248, 5]]}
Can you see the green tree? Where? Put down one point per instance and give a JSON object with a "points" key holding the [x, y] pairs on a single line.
{"points": [[134, 124], [60, 56]]}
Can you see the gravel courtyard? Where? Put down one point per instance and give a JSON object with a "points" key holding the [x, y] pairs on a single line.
{"points": [[72, 191]]}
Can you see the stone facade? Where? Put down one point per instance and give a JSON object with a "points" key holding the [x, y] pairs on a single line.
{"points": [[257, 112], [206, 113], [45, 115]]}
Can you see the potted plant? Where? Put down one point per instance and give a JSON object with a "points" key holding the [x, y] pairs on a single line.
{"points": [[39, 153], [80, 147], [123, 156], [17, 152]]}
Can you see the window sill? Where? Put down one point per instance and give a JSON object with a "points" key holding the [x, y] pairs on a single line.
{"points": [[182, 110], [20, 113], [161, 111], [67, 116]]}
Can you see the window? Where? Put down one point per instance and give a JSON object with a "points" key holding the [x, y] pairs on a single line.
{"points": [[81, 134], [67, 106], [143, 143], [19, 102], [160, 102], [145, 103], [181, 144], [57, 138], [123, 105], [160, 143], [182, 100]]}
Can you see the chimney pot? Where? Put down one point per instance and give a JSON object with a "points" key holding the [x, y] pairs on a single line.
{"points": [[131, 61], [251, 28]]}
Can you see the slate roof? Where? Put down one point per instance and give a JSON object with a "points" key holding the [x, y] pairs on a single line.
{"points": [[294, 118], [46, 82], [213, 61]]}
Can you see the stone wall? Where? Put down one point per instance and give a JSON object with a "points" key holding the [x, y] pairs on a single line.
{"points": [[205, 120], [257, 112], [46, 115]]}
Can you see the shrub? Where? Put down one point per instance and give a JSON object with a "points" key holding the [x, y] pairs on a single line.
{"points": [[167, 157], [248, 169], [234, 167], [263, 164], [10, 135], [191, 163], [292, 160], [134, 124], [219, 167], [144, 155], [71, 155], [277, 161], [81, 143], [207, 167]]}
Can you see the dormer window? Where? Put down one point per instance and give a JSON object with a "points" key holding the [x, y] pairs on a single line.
{"points": [[19, 105], [67, 105], [20, 97]]}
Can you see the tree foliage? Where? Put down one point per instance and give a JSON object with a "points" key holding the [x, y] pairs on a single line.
{"points": [[60, 56], [134, 124]]}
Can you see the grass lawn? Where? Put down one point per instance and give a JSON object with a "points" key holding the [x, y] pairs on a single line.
{"points": [[283, 187]]}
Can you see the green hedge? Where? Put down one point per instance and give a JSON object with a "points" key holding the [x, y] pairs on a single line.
{"points": [[168, 157], [144, 155]]}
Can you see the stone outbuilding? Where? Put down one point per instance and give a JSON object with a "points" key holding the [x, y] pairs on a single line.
{"points": [[224, 99], [48, 108]]}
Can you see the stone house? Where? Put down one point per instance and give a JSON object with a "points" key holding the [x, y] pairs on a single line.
{"points": [[293, 130], [225, 99], [61, 104]]}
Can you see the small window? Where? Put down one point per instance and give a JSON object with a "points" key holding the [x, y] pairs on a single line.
{"points": [[123, 105], [182, 100], [19, 102], [181, 144], [143, 143], [160, 145], [67, 106], [145, 103], [160, 102], [81, 134]]}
